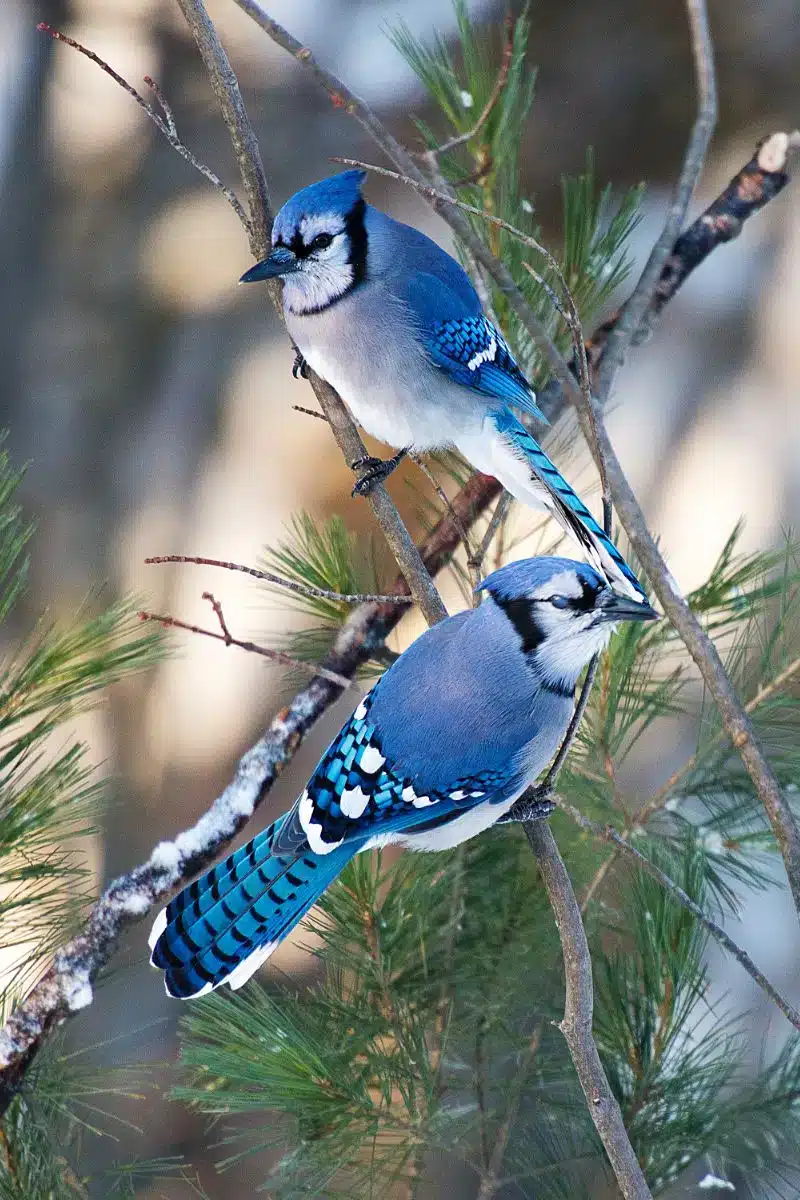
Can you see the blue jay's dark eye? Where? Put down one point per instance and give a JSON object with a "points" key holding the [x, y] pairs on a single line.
{"points": [[321, 241], [559, 601]]}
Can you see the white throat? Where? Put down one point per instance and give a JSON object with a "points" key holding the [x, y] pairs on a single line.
{"points": [[321, 280]]}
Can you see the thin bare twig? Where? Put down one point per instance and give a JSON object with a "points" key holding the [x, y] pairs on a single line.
{"points": [[576, 1025], [310, 412], [225, 86], [419, 462], [291, 585], [639, 303], [609, 834], [277, 656], [165, 125]]}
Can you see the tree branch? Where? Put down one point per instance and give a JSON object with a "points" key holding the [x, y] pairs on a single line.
{"points": [[576, 1025], [165, 125], [735, 720], [638, 305], [225, 86], [609, 834], [759, 181], [291, 585], [227, 637], [248, 157]]}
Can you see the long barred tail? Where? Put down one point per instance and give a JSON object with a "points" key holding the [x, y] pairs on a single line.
{"points": [[224, 925], [515, 460]]}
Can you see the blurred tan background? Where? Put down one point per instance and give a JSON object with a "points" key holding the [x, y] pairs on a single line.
{"points": [[153, 397]]}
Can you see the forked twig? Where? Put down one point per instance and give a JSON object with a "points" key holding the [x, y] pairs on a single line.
{"points": [[227, 637], [165, 125]]}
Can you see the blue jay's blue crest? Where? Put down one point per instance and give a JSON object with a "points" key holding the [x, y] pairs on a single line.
{"points": [[465, 719], [517, 580], [336, 195], [394, 324]]}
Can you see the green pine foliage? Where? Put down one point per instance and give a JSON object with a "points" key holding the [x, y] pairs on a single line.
{"points": [[49, 797], [432, 1030], [484, 170], [329, 557]]}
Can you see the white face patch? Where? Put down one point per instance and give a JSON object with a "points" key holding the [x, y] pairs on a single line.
{"points": [[565, 583], [360, 712], [312, 226], [569, 644], [313, 830], [326, 274], [353, 802], [371, 760]]}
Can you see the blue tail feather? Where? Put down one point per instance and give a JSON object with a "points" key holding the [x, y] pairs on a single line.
{"points": [[221, 927], [569, 509]]}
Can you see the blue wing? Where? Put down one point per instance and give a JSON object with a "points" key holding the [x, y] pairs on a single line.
{"points": [[465, 344], [356, 794]]}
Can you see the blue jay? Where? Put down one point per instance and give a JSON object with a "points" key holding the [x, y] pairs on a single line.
{"points": [[440, 748], [394, 324]]}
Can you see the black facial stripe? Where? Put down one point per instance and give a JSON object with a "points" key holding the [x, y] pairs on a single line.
{"points": [[296, 245], [357, 233], [521, 615], [588, 598]]}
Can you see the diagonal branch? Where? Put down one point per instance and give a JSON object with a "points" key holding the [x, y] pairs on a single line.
{"points": [[638, 305], [735, 719], [227, 637], [165, 125], [759, 181], [576, 1025], [225, 86], [291, 585], [248, 157]]}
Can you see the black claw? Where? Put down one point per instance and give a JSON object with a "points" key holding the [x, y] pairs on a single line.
{"points": [[374, 472], [299, 367], [531, 806]]}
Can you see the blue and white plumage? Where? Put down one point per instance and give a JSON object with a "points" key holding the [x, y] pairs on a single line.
{"points": [[394, 324], [438, 751]]}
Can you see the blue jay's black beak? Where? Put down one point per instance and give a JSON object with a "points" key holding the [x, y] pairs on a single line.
{"points": [[282, 261], [614, 607]]}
